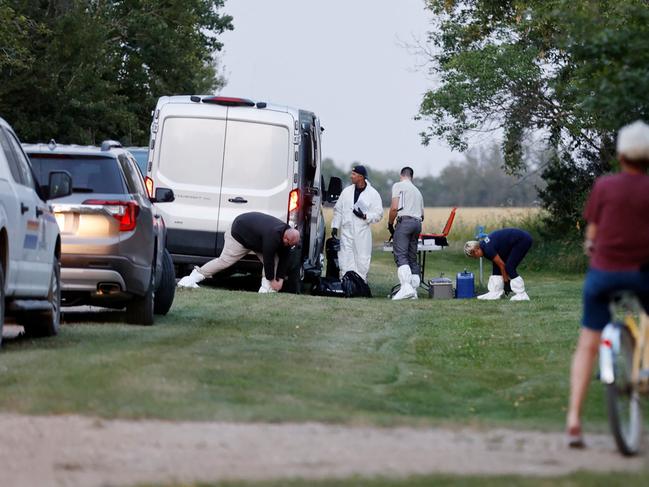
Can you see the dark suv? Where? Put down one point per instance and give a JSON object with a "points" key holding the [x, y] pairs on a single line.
{"points": [[112, 236]]}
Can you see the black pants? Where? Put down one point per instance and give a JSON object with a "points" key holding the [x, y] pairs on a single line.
{"points": [[515, 256]]}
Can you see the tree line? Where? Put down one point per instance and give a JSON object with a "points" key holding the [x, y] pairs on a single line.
{"points": [[82, 71], [567, 72], [478, 180]]}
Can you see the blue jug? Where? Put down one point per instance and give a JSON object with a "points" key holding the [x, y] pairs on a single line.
{"points": [[464, 285]]}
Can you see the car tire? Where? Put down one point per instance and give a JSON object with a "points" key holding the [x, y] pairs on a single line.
{"points": [[2, 302], [139, 311], [164, 295], [46, 323]]}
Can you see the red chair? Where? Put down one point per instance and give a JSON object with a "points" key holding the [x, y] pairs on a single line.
{"points": [[440, 238]]}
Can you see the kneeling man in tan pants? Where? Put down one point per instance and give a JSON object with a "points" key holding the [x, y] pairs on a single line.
{"points": [[268, 237]]}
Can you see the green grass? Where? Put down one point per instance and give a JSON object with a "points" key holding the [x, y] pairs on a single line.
{"points": [[617, 479], [232, 355]]}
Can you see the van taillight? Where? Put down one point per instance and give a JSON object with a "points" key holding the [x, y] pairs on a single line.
{"points": [[229, 101], [293, 200], [125, 212], [148, 183]]}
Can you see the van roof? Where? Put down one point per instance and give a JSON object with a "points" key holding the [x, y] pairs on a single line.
{"points": [[196, 99]]}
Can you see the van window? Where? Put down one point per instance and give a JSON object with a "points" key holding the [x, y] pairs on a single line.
{"points": [[192, 150], [256, 155]]}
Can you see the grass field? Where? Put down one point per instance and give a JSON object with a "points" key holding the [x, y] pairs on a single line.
{"points": [[233, 355], [615, 479]]}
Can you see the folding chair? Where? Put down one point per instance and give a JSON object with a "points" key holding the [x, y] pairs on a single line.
{"points": [[440, 238]]}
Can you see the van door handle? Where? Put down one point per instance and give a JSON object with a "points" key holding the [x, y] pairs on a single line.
{"points": [[238, 199], [23, 209], [39, 211]]}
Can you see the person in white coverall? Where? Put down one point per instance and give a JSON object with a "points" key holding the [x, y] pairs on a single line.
{"points": [[358, 206]]}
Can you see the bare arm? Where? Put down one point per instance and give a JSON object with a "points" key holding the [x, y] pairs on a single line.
{"points": [[394, 207], [589, 240]]}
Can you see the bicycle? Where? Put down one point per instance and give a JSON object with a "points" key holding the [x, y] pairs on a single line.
{"points": [[624, 370]]}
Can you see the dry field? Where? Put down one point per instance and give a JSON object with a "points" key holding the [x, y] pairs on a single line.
{"points": [[466, 220]]}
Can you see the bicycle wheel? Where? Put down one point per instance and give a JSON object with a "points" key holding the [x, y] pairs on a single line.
{"points": [[623, 400]]}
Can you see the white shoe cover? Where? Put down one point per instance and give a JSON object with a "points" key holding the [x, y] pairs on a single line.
{"points": [[415, 281], [496, 288], [518, 288], [191, 281], [406, 291], [265, 287]]}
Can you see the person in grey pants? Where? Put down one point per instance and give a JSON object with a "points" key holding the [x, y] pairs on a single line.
{"points": [[407, 209]]}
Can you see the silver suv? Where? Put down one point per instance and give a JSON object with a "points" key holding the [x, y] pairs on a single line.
{"points": [[30, 246], [112, 236]]}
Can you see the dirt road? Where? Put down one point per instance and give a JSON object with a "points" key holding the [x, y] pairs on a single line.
{"points": [[79, 451]]}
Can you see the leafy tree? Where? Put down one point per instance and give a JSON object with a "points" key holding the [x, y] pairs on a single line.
{"points": [[14, 40], [69, 91], [98, 67], [165, 48], [574, 71]]}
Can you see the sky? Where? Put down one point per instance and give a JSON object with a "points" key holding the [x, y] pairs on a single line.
{"points": [[345, 60]]}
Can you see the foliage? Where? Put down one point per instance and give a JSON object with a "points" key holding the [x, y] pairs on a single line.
{"points": [[93, 70], [573, 70], [14, 39]]}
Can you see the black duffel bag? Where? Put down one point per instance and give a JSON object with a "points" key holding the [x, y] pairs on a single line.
{"points": [[329, 287], [354, 286]]}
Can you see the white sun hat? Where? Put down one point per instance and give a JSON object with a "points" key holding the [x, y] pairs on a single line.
{"points": [[633, 141]]}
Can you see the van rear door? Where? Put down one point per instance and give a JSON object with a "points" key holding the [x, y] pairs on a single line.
{"points": [[257, 165], [316, 220], [191, 162]]}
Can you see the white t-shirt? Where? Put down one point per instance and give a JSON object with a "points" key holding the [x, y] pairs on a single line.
{"points": [[411, 203]]}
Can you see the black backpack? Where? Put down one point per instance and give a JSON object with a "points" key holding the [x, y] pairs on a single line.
{"points": [[354, 286]]}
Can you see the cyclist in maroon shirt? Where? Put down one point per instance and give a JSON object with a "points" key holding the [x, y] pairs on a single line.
{"points": [[617, 242]]}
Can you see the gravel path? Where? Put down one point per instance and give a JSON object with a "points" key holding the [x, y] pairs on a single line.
{"points": [[80, 451]]}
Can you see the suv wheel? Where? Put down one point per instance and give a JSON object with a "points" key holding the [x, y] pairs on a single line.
{"points": [[164, 295], [139, 311], [46, 323]]}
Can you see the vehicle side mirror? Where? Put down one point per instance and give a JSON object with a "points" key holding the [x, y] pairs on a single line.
{"points": [[163, 195], [335, 188], [59, 185]]}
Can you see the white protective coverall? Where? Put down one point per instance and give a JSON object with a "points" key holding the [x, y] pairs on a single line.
{"points": [[355, 234]]}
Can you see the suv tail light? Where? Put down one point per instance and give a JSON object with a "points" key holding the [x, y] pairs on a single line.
{"points": [[148, 183], [125, 212], [293, 207]]}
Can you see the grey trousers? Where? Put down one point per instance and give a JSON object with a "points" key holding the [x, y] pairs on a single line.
{"points": [[406, 235]]}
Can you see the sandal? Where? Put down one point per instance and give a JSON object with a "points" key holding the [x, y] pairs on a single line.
{"points": [[575, 438]]}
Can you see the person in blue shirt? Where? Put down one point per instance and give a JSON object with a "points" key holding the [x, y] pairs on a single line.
{"points": [[505, 248]]}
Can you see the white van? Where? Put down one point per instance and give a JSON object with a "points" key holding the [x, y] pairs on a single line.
{"points": [[226, 156]]}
